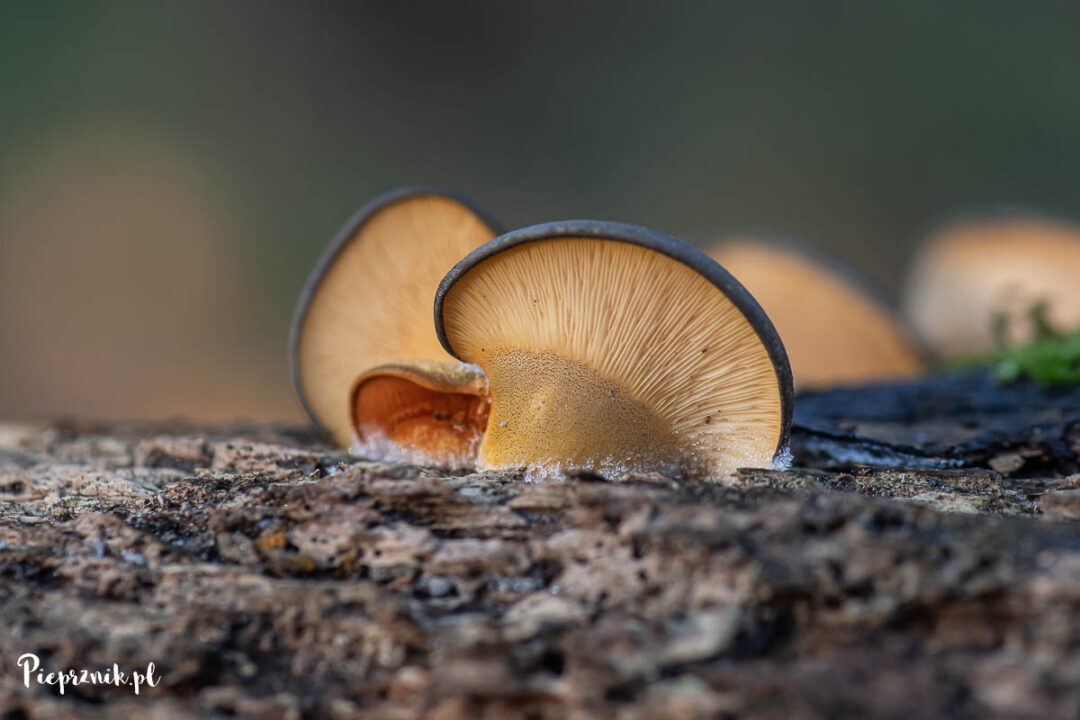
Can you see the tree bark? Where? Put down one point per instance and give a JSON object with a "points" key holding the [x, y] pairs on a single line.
{"points": [[266, 574]]}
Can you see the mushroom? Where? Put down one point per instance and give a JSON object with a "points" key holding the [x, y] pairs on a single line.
{"points": [[990, 270], [836, 330], [612, 348], [365, 362], [421, 412]]}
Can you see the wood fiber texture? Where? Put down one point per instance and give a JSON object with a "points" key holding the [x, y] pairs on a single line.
{"points": [[267, 575]]}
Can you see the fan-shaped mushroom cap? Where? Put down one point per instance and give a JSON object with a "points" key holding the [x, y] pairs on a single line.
{"points": [[834, 329], [613, 348], [368, 301], [995, 265]]}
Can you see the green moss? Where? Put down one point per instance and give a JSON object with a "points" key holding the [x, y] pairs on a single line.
{"points": [[1052, 358]]}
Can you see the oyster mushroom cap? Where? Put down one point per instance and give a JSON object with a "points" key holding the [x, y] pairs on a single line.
{"points": [[614, 348], [836, 331], [992, 265], [368, 300], [422, 412]]}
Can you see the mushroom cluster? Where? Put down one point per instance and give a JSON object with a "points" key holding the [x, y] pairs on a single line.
{"points": [[610, 348], [572, 346]]}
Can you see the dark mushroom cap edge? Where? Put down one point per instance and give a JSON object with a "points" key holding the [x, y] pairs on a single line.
{"points": [[346, 235], [653, 240]]}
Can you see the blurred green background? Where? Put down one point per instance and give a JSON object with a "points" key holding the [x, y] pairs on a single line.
{"points": [[169, 171]]}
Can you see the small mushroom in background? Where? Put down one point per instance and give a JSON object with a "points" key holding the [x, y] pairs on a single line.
{"points": [[979, 278], [366, 363], [612, 348], [835, 329]]}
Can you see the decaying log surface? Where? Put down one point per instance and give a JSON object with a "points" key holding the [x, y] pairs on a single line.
{"points": [[267, 575], [947, 420]]}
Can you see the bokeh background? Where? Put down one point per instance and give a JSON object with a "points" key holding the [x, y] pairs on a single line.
{"points": [[169, 171]]}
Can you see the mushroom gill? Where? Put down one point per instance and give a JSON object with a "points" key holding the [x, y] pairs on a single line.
{"points": [[834, 329], [365, 313], [613, 348]]}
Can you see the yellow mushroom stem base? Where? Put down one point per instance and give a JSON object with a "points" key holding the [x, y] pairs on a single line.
{"points": [[428, 419], [550, 415]]}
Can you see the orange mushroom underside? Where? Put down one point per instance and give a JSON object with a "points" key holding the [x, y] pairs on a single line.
{"points": [[401, 419]]}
